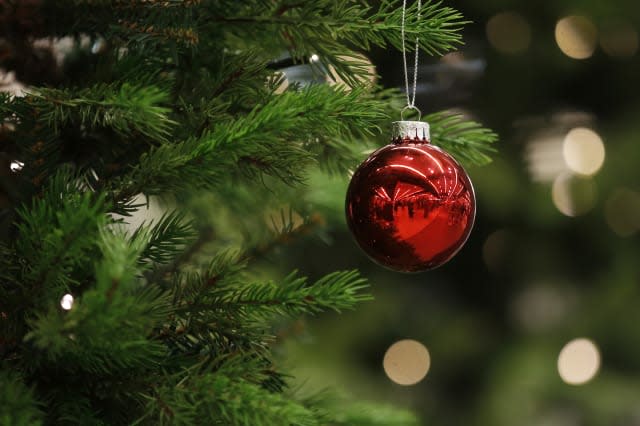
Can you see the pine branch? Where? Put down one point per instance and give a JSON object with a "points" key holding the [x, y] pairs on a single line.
{"points": [[127, 109], [108, 326], [225, 401], [269, 140], [56, 236], [466, 140], [292, 297], [18, 405], [326, 27], [165, 240], [285, 232]]}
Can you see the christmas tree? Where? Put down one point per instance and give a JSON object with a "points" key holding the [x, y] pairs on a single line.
{"points": [[182, 105]]}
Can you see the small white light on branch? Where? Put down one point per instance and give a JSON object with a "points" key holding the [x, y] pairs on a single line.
{"points": [[406, 362], [16, 166], [314, 58], [66, 302]]}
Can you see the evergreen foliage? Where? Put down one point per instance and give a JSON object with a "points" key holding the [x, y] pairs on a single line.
{"points": [[169, 323]]}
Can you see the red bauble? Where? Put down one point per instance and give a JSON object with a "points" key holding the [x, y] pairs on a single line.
{"points": [[410, 205]]}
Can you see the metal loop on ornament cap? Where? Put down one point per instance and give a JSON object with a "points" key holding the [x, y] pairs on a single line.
{"points": [[413, 130], [410, 107]]}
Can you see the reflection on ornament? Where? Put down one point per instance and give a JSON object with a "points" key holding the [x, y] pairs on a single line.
{"points": [[410, 205]]}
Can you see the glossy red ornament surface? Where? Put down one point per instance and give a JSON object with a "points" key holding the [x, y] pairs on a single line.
{"points": [[410, 206]]}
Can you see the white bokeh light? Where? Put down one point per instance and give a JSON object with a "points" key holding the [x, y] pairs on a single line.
{"points": [[406, 362], [583, 151], [573, 195], [66, 302], [579, 361]]}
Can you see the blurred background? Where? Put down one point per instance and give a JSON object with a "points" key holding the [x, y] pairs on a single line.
{"points": [[537, 320]]}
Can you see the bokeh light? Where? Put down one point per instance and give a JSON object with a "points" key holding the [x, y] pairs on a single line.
{"points": [[622, 212], [576, 36], [509, 32], [573, 195], [541, 306], [619, 40], [406, 362], [495, 248], [66, 302], [16, 166], [579, 361], [544, 157], [583, 151]]}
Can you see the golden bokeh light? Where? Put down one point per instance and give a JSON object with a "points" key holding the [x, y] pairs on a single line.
{"points": [[576, 36], [583, 151], [406, 362], [509, 32], [619, 40], [622, 212], [573, 195], [579, 361]]}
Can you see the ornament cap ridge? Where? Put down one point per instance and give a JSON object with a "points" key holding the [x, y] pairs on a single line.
{"points": [[411, 130]]}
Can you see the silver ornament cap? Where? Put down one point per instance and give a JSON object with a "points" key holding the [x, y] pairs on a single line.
{"points": [[414, 130]]}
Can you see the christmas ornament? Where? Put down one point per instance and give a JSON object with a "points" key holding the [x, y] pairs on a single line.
{"points": [[410, 205]]}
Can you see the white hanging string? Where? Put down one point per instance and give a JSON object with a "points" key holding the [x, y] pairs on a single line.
{"points": [[411, 97]]}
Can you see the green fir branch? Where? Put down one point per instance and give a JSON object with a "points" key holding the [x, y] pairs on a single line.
{"points": [[327, 27], [109, 325], [223, 400], [166, 239], [18, 403], [293, 296], [127, 109], [466, 140], [332, 408], [57, 235], [270, 140]]}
